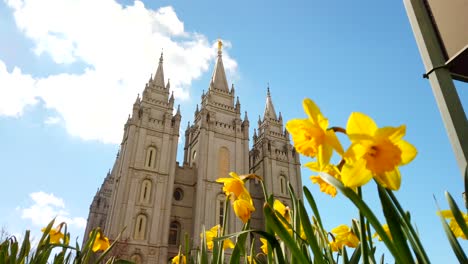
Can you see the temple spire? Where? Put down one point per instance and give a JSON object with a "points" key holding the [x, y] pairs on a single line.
{"points": [[269, 108], [219, 79], [159, 76]]}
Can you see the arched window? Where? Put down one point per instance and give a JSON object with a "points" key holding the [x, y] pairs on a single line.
{"points": [[223, 162], [174, 231], [150, 161], [136, 258], [140, 227], [219, 213], [145, 192], [282, 183]]}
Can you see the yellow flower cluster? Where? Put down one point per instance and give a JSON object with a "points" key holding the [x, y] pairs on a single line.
{"points": [[343, 236], [374, 153], [241, 200]]}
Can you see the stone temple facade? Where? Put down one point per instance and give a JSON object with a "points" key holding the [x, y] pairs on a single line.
{"points": [[158, 200]]}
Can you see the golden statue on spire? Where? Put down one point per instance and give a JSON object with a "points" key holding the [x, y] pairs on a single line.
{"points": [[220, 45]]}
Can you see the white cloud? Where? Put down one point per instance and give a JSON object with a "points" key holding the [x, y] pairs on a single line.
{"points": [[51, 120], [120, 46], [47, 206], [17, 90]]}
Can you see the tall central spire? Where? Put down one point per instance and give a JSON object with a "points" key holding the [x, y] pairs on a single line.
{"points": [[269, 108], [218, 79], [159, 76]]}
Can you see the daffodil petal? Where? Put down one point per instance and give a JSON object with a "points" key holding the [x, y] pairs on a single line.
{"points": [[312, 110], [355, 175], [228, 244], [324, 155], [359, 123], [408, 151], [234, 175], [390, 179], [355, 152], [394, 134], [312, 165], [332, 140]]}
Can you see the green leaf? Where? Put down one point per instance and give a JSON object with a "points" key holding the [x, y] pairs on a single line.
{"points": [[239, 247], [279, 229], [457, 213], [452, 240], [394, 222], [203, 257], [309, 232], [366, 211], [344, 259], [356, 255], [313, 205], [411, 233]]}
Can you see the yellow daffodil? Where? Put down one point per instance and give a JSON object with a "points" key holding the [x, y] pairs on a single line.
{"points": [[264, 246], [55, 234], [212, 233], [282, 209], [375, 153], [209, 235], [457, 231], [227, 243], [331, 170], [250, 260], [234, 185], [311, 137], [387, 231], [243, 207], [101, 242], [177, 260], [343, 236]]}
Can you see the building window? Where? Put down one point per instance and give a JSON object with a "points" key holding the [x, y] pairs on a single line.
{"points": [[174, 231], [140, 227], [219, 213], [223, 162], [283, 188], [178, 194], [145, 192], [136, 258], [150, 161]]}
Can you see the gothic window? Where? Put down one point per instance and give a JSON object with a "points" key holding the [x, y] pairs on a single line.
{"points": [[145, 192], [223, 162], [219, 213], [282, 183], [140, 227], [174, 231], [150, 161]]}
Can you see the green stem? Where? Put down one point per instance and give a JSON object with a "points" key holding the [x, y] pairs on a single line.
{"points": [[413, 233], [362, 234]]}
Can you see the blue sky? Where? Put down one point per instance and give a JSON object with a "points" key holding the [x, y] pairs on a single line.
{"points": [[69, 74]]}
